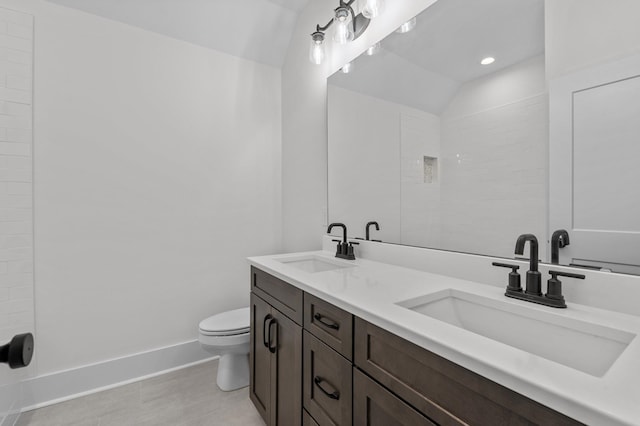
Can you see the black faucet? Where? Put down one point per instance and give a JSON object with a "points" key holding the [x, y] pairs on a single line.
{"points": [[533, 291], [344, 249], [559, 239], [533, 286], [370, 224]]}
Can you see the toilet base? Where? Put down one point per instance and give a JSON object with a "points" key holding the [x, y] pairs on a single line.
{"points": [[233, 372]]}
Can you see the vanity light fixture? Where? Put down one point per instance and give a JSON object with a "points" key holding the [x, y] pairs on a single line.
{"points": [[316, 51], [348, 26], [346, 68], [372, 50], [407, 26], [488, 60], [372, 8]]}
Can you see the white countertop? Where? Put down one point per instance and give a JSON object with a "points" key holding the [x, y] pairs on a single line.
{"points": [[370, 290]]}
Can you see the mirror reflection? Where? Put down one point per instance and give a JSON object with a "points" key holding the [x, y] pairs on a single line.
{"points": [[442, 134]]}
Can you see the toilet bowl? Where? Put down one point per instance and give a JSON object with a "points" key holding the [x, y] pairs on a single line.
{"points": [[227, 335]]}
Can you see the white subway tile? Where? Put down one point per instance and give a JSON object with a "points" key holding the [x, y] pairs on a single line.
{"points": [[16, 280], [15, 241], [16, 306], [14, 68], [16, 201], [21, 31], [19, 253], [20, 135], [19, 266], [14, 95], [16, 43], [19, 188], [16, 17], [10, 175], [21, 292], [13, 108], [16, 227], [9, 148], [15, 215], [16, 163], [12, 122], [19, 82]]}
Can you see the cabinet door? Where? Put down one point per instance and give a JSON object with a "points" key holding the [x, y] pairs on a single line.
{"points": [[286, 371], [373, 405], [260, 357]]}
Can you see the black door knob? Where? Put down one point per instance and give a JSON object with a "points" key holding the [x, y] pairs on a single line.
{"points": [[18, 352]]}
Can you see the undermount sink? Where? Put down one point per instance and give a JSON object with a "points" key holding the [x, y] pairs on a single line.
{"points": [[584, 346], [314, 263]]}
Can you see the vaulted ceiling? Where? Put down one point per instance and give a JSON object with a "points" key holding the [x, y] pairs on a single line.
{"points": [[259, 30]]}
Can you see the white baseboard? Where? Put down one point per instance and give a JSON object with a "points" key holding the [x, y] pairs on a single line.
{"points": [[69, 384]]}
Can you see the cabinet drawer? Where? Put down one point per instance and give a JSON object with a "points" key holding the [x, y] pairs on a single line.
{"points": [[307, 420], [326, 379], [279, 294], [437, 387], [373, 405], [330, 324]]}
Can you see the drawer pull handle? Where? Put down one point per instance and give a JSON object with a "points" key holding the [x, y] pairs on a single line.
{"points": [[330, 323], [333, 395], [265, 340], [273, 348]]}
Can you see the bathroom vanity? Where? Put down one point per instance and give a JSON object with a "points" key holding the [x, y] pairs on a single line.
{"points": [[362, 342]]}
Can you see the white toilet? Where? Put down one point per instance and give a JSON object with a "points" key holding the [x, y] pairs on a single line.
{"points": [[227, 334]]}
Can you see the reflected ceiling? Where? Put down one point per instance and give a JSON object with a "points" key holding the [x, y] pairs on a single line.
{"points": [[429, 81]]}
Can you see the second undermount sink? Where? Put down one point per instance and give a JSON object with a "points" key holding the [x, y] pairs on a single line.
{"points": [[587, 347], [314, 263]]}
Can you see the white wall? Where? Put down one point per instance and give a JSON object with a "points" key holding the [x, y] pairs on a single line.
{"points": [[580, 33], [157, 171], [304, 115], [495, 162]]}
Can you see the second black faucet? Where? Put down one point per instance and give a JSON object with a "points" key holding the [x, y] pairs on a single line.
{"points": [[345, 248]]}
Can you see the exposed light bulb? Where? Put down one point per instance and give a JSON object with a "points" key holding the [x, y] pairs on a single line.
{"points": [[316, 49], [347, 68], [372, 50], [488, 60], [343, 32], [407, 26], [372, 8]]}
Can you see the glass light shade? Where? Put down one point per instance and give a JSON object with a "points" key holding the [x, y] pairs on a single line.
{"points": [[316, 51], [372, 8], [347, 68], [343, 32], [407, 26], [372, 50]]}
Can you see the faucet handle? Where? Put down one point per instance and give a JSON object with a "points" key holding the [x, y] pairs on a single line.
{"points": [[514, 276], [339, 248], [554, 287]]}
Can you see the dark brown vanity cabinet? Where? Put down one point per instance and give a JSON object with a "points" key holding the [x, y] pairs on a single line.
{"points": [[342, 370], [275, 357]]}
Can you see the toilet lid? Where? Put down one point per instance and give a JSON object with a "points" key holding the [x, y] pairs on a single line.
{"points": [[227, 323]]}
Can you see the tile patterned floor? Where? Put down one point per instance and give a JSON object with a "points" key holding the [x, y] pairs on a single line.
{"points": [[187, 397]]}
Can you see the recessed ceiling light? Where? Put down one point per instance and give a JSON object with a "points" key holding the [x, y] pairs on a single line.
{"points": [[488, 60]]}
